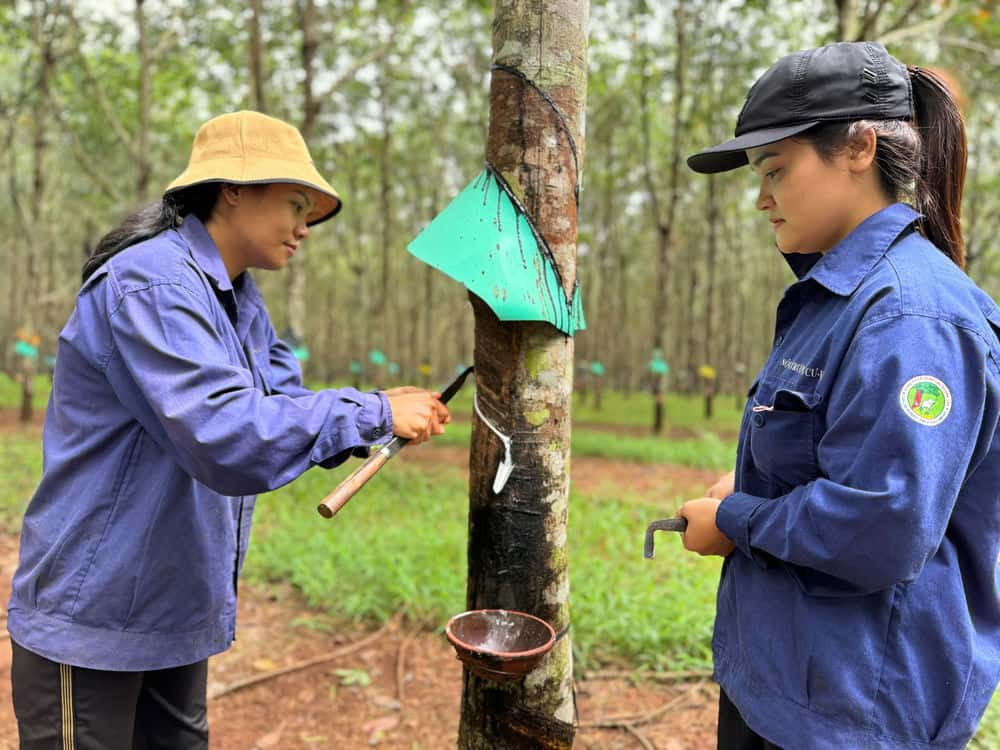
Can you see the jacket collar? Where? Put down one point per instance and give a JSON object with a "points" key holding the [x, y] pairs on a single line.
{"points": [[205, 252], [243, 291], [842, 268]]}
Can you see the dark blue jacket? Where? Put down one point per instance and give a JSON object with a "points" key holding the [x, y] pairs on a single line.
{"points": [[173, 404], [861, 608]]}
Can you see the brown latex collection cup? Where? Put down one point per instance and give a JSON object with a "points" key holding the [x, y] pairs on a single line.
{"points": [[499, 644]]}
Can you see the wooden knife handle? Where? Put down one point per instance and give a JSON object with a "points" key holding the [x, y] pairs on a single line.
{"points": [[346, 489]]}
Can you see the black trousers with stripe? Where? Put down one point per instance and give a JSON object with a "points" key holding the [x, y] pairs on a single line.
{"points": [[59, 707]]}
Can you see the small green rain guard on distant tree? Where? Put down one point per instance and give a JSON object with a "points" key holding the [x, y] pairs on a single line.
{"points": [[377, 358], [597, 368], [485, 240], [24, 349], [658, 365], [355, 367]]}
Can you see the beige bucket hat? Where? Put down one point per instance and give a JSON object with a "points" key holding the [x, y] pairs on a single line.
{"points": [[245, 148]]}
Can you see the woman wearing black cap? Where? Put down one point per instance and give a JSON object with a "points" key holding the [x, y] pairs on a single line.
{"points": [[858, 604]]}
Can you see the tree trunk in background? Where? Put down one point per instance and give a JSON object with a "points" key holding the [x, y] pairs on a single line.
{"points": [[386, 306], [15, 261], [625, 380], [297, 271], [847, 20], [524, 376], [664, 224], [427, 356], [691, 349], [143, 167], [358, 343], [974, 199], [709, 348], [34, 286], [257, 58]]}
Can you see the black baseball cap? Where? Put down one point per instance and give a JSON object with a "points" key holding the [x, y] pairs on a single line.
{"points": [[838, 82]]}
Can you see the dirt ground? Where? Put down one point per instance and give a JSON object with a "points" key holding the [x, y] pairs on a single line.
{"points": [[397, 688]]}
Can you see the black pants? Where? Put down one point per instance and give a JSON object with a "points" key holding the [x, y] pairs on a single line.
{"points": [[734, 734], [59, 707]]}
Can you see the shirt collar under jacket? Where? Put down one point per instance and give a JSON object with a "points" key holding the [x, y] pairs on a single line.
{"points": [[843, 267], [205, 252]]}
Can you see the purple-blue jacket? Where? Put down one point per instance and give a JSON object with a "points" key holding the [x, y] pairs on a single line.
{"points": [[173, 404]]}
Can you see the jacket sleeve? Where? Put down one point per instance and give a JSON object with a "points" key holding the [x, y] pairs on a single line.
{"points": [[286, 378], [226, 433], [888, 477]]}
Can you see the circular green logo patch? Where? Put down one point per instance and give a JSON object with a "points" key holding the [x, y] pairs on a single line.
{"points": [[926, 400]]}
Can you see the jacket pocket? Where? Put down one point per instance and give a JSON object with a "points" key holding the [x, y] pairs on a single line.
{"points": [[783, 437]]}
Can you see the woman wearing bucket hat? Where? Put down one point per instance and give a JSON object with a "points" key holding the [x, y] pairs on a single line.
{"points": [[857, 605], [173, 404]]}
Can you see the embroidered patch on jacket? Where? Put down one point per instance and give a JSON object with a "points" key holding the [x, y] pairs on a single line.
{"points": [[926, 400]]}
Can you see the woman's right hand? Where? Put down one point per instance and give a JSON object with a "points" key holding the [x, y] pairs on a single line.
{"points": [[417, 413], [724, 486]]}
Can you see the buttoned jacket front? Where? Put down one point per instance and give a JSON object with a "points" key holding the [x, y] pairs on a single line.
{"points": [[861, 607]]}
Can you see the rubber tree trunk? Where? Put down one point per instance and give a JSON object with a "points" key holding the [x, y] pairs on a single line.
{"points": [[35, 286], [257, 57], [297, 271], [144, 168], [524, 377]]}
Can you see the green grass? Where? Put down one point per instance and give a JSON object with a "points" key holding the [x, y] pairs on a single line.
{"points": [[10, 391], [402, 543], [654, 614], [20, 470], [988, 736]]}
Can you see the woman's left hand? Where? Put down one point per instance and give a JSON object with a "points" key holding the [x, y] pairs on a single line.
{"points": [[702, 535]]}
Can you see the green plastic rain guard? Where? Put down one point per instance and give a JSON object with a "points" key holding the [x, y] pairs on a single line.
{"points": [[485, 240], [24, 349], [658, 366]]}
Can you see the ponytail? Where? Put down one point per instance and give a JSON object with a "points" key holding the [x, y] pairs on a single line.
{"points": [[153, 219], [941, 175], [921, 162]]}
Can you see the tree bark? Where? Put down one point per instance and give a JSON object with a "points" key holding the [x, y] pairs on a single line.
{"points": [[524, 374], [296, 271], [847, 19], [143, 166], [34, 286], [257, 58], [709, 349], [388, 321], [664, 224]]}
